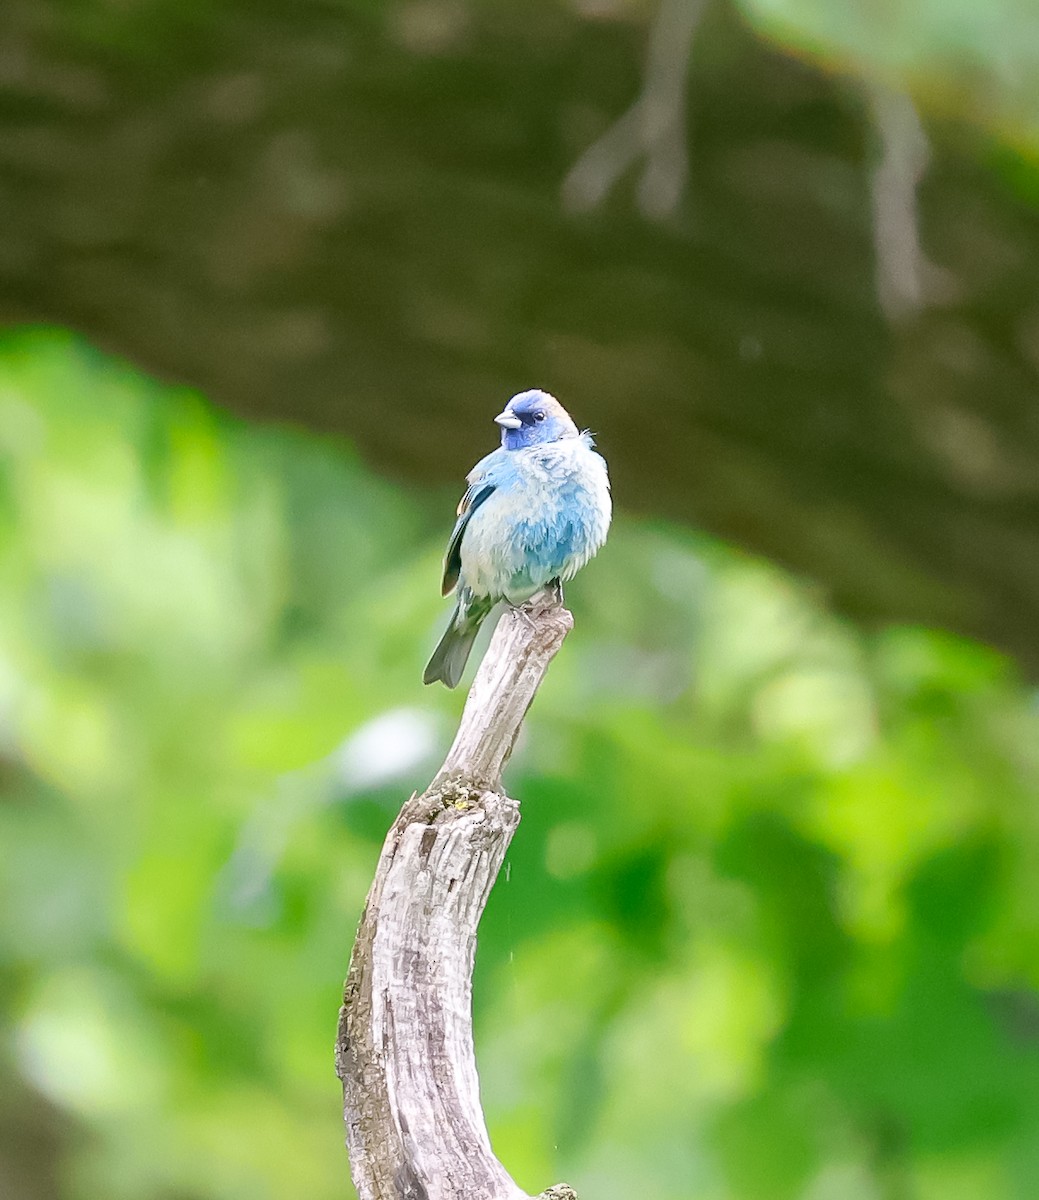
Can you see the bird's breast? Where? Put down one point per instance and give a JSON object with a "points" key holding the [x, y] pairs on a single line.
{"points": [[547, 516]]}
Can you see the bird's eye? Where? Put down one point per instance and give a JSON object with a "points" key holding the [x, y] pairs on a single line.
{"points": [[539, 416]]}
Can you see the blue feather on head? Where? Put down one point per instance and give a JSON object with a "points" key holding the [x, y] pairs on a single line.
{"points": [[533, 418]]}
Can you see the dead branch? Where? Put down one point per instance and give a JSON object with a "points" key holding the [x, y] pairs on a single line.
{"points": [[404, 1051]]}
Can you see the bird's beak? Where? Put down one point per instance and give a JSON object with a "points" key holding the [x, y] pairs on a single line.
{"points": [[508, 420]]}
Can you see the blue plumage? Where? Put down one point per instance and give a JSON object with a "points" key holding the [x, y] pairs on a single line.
{"points": [[535, 512]]}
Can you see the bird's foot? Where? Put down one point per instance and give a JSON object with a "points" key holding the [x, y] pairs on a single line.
{"points": [[523, 612]]}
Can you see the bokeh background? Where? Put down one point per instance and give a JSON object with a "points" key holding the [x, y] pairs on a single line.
{"points": [[770, 927]]}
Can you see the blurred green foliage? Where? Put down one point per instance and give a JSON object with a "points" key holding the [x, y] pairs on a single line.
{"points": [[769, 929], [977, 62]]}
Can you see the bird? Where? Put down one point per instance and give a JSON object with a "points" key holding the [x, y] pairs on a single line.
{"points": [[535, 511]]}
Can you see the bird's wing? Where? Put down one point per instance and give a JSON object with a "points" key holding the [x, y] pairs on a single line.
{"points": [[480, 487]]}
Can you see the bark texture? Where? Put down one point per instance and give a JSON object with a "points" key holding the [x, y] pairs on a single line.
{"points": [[404, 1052]]}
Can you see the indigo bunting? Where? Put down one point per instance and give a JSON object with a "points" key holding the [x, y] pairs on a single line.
{"points": [[535, 512]]}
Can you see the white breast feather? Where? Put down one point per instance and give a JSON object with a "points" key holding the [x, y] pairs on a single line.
{"points": [[491, 554]]}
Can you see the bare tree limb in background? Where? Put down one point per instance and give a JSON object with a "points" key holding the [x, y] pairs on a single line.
{"points": [[905, 277], [404, 1051], [654, 126]]}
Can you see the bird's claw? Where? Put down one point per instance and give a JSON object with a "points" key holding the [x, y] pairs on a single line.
{"points": [[523, 612]]}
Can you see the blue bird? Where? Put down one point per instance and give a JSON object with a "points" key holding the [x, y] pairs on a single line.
{"points": [[535, 512]]}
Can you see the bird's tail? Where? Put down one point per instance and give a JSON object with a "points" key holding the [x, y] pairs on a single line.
{"points": [[452, 652]]}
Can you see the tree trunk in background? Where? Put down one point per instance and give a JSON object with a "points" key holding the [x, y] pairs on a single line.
{"points": [[352, 218]]}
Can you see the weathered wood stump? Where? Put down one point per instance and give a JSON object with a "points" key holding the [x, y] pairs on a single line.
{"points": [[404, 1052]]}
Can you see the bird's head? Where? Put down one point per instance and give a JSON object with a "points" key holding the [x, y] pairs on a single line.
{"points": [[532, 419]]}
